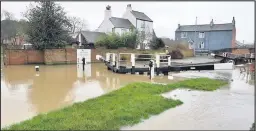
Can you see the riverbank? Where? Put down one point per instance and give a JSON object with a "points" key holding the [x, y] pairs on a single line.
{"points": [[123, 107]]}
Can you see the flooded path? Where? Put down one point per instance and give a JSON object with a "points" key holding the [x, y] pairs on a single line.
{"points": [[229, 108], [25, 92]]}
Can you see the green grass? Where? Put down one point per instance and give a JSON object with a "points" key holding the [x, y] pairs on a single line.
{"points": [[123, 107]]}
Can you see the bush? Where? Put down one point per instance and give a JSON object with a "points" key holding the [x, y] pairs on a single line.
{"points": [[157, 43], [176, 54], [114, 41]]}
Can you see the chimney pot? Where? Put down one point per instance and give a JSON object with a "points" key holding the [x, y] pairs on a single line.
{"points": [[108, 12], [211, 23], [233, 21], [129, 7]]}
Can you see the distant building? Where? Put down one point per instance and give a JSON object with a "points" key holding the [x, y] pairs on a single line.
{"points": [[208, 37], [131, 20], [85, 38]]}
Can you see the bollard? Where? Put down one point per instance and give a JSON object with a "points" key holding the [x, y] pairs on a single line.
{"points": [[151, 69], [133, 63], [37, 68], [157, 64]]}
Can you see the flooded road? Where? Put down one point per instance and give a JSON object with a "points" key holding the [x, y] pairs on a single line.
{"points": [[25, 92], [229, 108]]}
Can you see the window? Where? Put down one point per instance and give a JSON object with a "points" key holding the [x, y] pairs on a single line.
{"points": [[201, 34], [183, 34], [143, 24], [201, 45]]}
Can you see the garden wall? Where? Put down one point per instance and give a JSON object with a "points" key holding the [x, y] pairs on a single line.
{"points": [[49, 56]]}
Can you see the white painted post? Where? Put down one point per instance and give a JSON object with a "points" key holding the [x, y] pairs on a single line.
{"points": [[117, 60], [157, 63], [113, 59], [169, 61], [80, 39], [157, 60], [133, 63], [152, 70], [107, 57]]}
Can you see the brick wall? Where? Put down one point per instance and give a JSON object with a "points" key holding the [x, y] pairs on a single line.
{"points": [[16, 57], [35, 57], [71, 55], [55, 56], [49, 56], [240, 51]]}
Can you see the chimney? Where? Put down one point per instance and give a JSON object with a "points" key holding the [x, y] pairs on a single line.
{"points": [[211, 23], [108, 12], [233, 21], [178, 26], [129, 7]]}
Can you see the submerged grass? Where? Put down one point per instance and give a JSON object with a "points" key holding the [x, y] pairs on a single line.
{"points": [[123, 107]]}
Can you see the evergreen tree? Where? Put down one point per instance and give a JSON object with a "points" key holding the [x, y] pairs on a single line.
{"points": [[47, 25]]}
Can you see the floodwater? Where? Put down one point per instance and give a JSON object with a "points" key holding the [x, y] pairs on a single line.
{"points": [[229, 108], [25, 92]]}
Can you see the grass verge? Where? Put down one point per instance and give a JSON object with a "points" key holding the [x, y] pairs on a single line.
{"points": [[123, 107]]}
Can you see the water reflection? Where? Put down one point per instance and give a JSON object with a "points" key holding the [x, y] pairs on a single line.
{"points": [[54, 87]]}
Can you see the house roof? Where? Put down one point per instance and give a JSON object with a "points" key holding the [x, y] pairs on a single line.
{"points": [[141, 15], [121, 22], [206, 27], [91, 36]]}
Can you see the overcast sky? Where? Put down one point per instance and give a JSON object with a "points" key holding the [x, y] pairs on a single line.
{"points": [[166, 15]]}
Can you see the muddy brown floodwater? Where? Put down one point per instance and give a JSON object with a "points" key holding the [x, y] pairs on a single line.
{"points": [[25, 92]]}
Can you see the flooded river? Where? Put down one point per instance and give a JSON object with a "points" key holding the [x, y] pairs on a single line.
{"points": [[25, 93]]}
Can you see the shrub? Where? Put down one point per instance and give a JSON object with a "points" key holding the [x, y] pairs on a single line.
{"points": [[157, 43], [176, 54], [114, 41]]}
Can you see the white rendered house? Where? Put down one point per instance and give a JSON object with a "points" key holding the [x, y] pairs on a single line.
{"points": [[131, 19]]}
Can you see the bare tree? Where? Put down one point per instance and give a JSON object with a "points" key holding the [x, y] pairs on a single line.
{"points": [[77, 24], [82, 25], [144, 37], [7, 15]]}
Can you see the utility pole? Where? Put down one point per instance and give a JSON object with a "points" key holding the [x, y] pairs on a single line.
{"points": [[195, 38]]}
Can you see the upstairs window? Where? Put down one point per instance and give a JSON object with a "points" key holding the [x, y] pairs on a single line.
{"points": [[183, 34], [201, 34]]}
